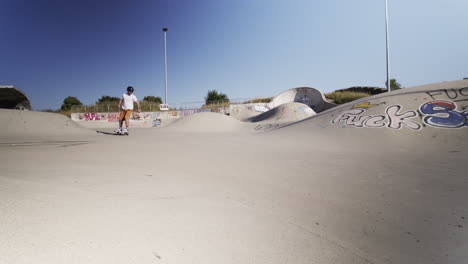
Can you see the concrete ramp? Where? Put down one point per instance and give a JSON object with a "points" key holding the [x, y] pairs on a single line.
{"points": [[306, 95], [400, 159], [435, 110], [380, 180], [285, 113], [25, 125], [205, 122]]}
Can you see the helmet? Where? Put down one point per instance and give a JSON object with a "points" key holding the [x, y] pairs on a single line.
{"points": [[130, 89]]}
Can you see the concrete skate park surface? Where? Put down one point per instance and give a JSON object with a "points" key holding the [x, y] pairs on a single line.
{"points": [[379, 180], [285, 107]]}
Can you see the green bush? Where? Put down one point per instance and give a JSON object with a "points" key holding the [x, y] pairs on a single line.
{"points": [[153, 99], [69, 102], [105, 99], [213, 97]]}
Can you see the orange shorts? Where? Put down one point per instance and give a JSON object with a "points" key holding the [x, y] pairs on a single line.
{"points": [[125, 114]]}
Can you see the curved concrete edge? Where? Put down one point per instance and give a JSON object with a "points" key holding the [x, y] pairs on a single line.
{"points": [[312, 97], [431, 111], [13, 98], [244, 112], [288, 112]]}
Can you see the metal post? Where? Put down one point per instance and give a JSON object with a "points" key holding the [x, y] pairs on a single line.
{"points": [[165, 64], [388, 46]]}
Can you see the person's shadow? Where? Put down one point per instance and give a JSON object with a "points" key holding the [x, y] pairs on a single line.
{"points": [[109, 133]]}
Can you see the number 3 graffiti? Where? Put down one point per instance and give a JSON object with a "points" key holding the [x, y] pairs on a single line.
{"points": [[443, 114]]}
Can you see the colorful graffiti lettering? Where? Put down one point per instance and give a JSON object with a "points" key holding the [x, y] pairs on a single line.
{"points": [[443, 114], [113, 117], [156, 123], [438, 114], [91, 116], [189, 112], [393, 118]]}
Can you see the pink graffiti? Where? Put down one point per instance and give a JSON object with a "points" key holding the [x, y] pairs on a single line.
{"points": [[91, 116], [114, 117]]}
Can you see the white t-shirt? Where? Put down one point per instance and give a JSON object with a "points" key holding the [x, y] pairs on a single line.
{"points": [[127, 101]]}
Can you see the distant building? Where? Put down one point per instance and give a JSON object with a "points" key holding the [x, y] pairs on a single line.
{"points": [[364, 89], [13, 98]]}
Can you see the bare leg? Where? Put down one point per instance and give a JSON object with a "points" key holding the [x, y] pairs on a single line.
{"points": [[126, 122]]}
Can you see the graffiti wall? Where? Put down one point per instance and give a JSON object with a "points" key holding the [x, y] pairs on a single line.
{"points": [[143, 119], [446, 108]]}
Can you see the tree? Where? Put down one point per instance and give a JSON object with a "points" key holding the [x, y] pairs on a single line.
{"points": [[153, 99], [69, 102], [108, 99], [213, 97], [394, 85]]}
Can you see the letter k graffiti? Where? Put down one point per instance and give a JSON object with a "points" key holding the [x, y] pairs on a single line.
{"points": [[397, 119]]}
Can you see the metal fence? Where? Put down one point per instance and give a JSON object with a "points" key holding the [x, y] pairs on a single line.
{"points": [[154, 107], [112, 107]]}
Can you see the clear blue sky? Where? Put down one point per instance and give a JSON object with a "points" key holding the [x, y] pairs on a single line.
{"points": [[52, 49]]}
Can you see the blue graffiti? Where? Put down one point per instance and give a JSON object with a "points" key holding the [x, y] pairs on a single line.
{"points": [[444, 114]]}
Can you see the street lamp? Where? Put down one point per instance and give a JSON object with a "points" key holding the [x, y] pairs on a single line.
{"points": [[165, 65], [388, 46]]}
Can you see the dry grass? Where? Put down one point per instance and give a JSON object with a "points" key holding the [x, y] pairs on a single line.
{"points": [[216, 105], [345, 97], [259, 100]]}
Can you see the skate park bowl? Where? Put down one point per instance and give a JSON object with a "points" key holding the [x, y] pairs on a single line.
{"points": [[306, 95], [13, 98], [378, 180], [284, 113]]}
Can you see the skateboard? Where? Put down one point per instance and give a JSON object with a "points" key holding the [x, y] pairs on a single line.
{"points": [[121, 133], [113, 133]]}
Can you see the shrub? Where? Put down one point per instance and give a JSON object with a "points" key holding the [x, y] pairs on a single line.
{"points": [[69, 102], [213, 97]]}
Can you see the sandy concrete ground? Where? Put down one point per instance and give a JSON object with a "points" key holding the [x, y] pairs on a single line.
{"points": [[211, 189]]}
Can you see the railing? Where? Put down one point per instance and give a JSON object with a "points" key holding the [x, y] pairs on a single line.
{"points": [[111, 107], [154, 107]]}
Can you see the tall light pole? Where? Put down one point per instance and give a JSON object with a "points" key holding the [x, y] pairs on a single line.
{"points": [[165, 65], [388, 46]]}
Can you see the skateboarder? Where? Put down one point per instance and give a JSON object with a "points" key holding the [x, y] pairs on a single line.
{"points": [[126, 109]]}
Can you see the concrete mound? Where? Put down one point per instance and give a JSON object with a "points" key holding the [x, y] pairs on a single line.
{"points": [[379, 180], [285, 113], [205, 122], [243, 113], [306, 95], [30, 124], [429, 111]]}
